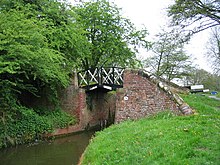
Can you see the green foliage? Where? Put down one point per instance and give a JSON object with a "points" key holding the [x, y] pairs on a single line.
{"points": [[110, 35], [162, 139], [27, 61], [30, 126], [60, 119]]}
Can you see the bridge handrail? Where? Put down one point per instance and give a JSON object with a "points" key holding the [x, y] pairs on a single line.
{"points": [[100, 68], [99, 76]]}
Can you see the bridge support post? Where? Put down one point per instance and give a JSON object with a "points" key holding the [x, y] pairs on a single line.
{"points": [[75, 79]]}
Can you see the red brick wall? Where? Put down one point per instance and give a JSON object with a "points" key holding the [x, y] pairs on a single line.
{"points": [[100, 107], [140, 97], [90, 108], [73, 101]]}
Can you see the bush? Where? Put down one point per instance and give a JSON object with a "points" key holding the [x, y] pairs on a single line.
{"points": [[29, 126], [59, 119]]}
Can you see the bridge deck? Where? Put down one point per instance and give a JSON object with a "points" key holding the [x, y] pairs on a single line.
{"points": [[109, 78]]}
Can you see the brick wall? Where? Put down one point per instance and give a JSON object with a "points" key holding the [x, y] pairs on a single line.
{"points": [[100, 107], [141, 97], [90, 108]]}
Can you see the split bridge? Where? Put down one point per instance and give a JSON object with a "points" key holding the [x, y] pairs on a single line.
{"points": [[137, 94]]}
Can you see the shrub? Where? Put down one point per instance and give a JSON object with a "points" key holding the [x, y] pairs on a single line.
{"points": [[29, 126]]}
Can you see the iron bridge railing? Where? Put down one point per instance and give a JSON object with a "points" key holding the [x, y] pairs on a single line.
{"points": [[103, 77]]}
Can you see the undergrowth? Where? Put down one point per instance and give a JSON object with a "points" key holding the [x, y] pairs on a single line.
{"points": [[29, 126]]}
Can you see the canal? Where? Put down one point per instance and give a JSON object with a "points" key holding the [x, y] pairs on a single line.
{"points": [[61, 151]]}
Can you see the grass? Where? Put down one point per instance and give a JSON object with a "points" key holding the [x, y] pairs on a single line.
{"points": [[162, 139]]}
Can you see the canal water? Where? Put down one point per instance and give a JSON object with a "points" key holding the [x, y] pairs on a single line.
{"points": [[61, 151]]}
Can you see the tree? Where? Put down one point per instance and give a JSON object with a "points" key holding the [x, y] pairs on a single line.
{"points": [[213, 50], [200, 76], [40, 44], [196, 15], [113, 39], [169, 59], [196, 77], [25, 54], [66, 36]]}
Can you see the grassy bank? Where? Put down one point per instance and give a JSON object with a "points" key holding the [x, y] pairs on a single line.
{"points": [[162, 139]]}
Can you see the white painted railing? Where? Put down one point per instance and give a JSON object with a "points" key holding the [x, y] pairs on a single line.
{"points": [[100, 77]]}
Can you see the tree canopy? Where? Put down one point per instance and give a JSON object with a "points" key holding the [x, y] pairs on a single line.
{"points": [[169, 59], [113, 38], [39, 45], [195, 15]]}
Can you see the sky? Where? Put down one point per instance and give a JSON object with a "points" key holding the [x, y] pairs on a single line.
{"points": [[152, 15]]}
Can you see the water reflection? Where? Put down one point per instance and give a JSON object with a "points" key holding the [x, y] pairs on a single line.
{"points": [[62, 151]]}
